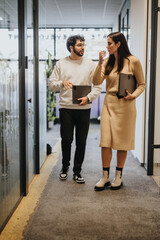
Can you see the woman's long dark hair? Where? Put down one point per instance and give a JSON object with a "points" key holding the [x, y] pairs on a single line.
{"points": [[123, 52]]}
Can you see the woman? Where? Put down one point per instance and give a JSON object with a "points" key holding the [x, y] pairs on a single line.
{"points": [[118, 116]]}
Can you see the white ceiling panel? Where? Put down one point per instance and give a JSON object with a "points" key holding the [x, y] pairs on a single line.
{"points": [[82, 13], [69, 13]]}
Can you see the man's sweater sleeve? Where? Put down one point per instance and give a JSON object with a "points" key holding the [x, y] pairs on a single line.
{"points": [[96, 90], [55, 82]]}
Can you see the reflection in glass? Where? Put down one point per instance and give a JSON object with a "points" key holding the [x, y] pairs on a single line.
{"points": [[9, 109]]}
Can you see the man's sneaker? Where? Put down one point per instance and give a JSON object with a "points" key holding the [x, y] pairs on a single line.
{"points": [[78, 178], [64, 173]]}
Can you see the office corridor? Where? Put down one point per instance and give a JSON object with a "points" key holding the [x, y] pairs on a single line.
{"points": [[58, 210]]}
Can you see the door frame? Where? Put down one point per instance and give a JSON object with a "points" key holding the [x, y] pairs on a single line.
{"points": [[151, 119], [23, 96], [36, 94]]}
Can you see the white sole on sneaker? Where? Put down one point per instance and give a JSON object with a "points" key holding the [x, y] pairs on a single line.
{"points": [[79, 181], [63, 177]]}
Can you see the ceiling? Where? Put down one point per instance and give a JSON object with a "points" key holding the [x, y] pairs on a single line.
{"points": [[65, 13], [79, 13]]}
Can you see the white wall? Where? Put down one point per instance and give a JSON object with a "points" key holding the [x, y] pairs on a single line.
{"points": [[138, 48]]}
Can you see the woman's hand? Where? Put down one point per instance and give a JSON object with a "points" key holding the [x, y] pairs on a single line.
{"points": [[101, 56], [67, 84], [84, 100], [129, 96]]}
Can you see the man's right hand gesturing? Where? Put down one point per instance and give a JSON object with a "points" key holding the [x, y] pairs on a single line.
{"points": [[67, 84]]}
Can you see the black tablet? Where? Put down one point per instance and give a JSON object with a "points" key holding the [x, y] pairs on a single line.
{"points": [[79, 91], [126, 82]]}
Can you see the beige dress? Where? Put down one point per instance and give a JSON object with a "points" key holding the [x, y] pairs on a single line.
{"points": [[118, 116]]}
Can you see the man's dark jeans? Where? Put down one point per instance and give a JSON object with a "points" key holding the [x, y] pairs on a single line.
{"points": [[70, 119]]}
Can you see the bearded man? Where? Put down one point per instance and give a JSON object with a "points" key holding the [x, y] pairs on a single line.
{"points": [[69, 71]]}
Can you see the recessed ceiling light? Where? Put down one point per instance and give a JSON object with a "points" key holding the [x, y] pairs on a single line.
{"points": [[1, 18]]}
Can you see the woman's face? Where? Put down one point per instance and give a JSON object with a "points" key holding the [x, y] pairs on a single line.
{"points": [[112, 46]]}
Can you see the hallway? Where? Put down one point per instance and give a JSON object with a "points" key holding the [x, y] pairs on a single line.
{"points": [[33, 39], [57, 210]]}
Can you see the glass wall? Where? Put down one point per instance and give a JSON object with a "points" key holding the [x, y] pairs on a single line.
{"points": [[95, 40], [45, 45], [30, 91], [9, 108]]}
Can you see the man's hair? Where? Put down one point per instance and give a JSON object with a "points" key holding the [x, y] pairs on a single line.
{"points": [[71, 41]]}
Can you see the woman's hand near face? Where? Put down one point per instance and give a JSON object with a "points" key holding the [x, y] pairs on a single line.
{"points": [[101, 56], [129, 96]]}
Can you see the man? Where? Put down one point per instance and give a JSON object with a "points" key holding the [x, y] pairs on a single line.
{"points": [[74, 70]]}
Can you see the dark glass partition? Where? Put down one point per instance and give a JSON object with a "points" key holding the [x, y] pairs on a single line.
{"points": [[124, 20], [9, 109]]}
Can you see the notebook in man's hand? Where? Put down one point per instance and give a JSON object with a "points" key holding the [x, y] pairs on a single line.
{"points": [[126, 82], [79, 91]]}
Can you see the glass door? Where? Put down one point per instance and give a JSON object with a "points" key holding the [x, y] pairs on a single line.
{"points": [[9, 109], [30, 75], [43, 47]]}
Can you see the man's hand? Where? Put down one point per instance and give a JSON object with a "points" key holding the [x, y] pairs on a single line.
{"points": [[129, 96], [84, 100], [67, 84]]}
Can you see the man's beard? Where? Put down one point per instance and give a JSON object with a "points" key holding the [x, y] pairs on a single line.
{"points": [[77, 53]]}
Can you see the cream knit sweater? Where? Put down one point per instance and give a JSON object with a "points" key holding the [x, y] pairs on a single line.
{"points": [[78, 72]]}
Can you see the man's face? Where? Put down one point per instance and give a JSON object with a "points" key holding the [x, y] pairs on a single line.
{"points": [[78, 48]]}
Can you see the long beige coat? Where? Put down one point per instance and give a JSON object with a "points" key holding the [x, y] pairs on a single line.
{"points": [[118, 117]]}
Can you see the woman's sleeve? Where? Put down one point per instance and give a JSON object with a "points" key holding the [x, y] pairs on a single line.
{"points": [[99, 73], [138, 72]]}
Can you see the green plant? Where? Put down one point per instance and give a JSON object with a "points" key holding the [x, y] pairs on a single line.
{"points": [[49, 66], [51, 96], [51, 106]]}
